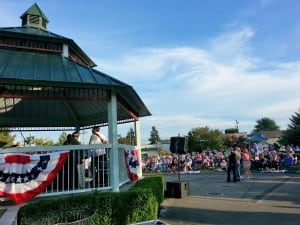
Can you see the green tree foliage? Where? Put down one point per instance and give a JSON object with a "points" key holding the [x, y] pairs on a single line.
{"points": [[122, 140], [154, 136], [292, 134], [161, 151], [129, 139], [203, 138], [231, 139], [231, 130], [42, 142], [265, 124], [62, 138], [6, 139], [29, 140]]}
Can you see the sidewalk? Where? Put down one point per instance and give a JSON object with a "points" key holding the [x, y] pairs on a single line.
{"points": [[267, 199]]}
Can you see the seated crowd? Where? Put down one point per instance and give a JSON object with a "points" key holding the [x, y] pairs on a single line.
{"points": [[262, 159]]}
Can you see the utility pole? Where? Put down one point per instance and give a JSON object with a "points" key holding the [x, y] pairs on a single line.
{"points": [[237, 125]]}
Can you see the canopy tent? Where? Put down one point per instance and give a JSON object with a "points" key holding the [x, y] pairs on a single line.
{"points": [[256, 138]]}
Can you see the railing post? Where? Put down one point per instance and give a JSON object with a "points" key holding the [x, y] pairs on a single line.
{"points": [[113, 134]]}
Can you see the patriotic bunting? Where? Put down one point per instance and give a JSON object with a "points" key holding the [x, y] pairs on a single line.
{"points": [[24, 176], [132, 163]]}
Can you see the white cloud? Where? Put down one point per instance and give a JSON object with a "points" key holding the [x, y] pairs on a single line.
{"points": [[232, 42], [213, 85]]}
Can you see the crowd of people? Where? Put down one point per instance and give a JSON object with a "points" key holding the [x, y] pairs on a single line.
{"points": [[231, 160]]}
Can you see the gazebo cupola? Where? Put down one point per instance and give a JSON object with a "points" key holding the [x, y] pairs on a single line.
{"points": [[34, 17]]}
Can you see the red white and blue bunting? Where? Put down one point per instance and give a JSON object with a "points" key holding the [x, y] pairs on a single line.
{"points": [[132, 163], [24, 176]]}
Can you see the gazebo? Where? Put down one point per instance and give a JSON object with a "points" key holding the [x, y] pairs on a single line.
{"points": [[47, 82]]}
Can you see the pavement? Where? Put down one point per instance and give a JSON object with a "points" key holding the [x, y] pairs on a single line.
{"points": [[268, 198]]}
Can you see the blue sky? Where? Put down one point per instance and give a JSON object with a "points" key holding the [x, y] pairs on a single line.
{"points": [[194, 63]]}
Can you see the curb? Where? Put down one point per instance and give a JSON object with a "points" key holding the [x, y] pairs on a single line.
{"points": [[10, 215]]}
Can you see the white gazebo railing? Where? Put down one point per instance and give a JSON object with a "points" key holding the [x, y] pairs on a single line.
{"points": [[83, 171]]}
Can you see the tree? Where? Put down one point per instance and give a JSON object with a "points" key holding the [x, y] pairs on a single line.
{"points": [[62, 138], [265, 124], [231, 130], [129, 139], [161, 151], [233, 139], [122, 140], [203, 138], [154, 136], [292, 134], [42, 142], [6, 139]]}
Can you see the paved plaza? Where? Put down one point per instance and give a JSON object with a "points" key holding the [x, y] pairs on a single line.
{"points": [[268, 198]]}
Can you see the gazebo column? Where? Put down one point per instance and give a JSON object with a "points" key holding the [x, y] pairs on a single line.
{"points": [[137, 126], [113, 135]]}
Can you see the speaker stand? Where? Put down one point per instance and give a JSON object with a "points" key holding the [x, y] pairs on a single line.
{"points": [[177, 189], [178, 162]]}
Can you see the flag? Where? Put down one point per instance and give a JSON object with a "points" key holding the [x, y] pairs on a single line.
{"points": [[24, 176], [132, 163]]}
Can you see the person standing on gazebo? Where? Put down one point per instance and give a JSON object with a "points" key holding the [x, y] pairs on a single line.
{"points": [[68, 175], [99, 157]]}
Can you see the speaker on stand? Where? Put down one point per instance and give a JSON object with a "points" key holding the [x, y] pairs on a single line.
{"points": [[178, 145], [178, 189]]}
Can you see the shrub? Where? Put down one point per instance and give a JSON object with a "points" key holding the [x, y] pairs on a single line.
{"points": [[140, 203]]}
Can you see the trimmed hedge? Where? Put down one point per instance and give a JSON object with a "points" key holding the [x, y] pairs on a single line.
{"points": [[154, 184], [140, 203]]}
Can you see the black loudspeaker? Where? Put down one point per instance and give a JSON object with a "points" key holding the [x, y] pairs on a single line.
{"points": [[177, 189], [178, 145]]}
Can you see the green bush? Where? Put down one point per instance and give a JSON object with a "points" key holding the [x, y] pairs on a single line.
{"points": [[154, 183], [62, 216], [140, 203]]}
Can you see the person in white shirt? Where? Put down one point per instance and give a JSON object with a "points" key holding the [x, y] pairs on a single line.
{"points": [[98, 138], [99, 160]]}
